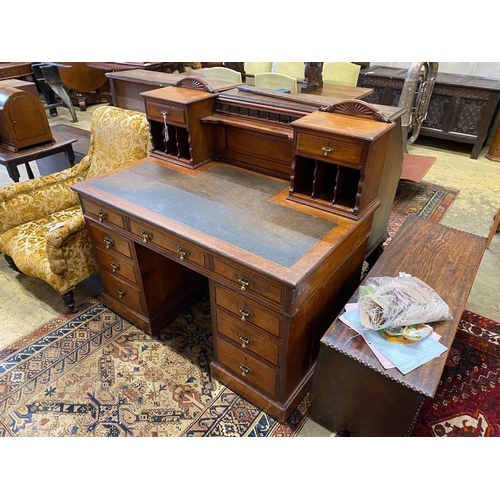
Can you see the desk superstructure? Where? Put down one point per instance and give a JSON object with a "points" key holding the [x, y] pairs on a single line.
{"points": [[213, 205]]}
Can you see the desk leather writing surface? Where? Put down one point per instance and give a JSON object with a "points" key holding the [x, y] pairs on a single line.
{"points": [[230, 204]]}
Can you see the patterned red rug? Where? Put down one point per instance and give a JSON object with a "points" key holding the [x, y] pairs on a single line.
{"points": [[467, 402], [423, 199]]}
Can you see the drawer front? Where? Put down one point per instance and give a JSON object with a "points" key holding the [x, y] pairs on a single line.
{"points": [[248, 311], [246, 336], [173, 114], [247, 367], [329, 150], [101, 213], [250, 282], [121, 291], [116, 264], [110, 240], [177, 248]]}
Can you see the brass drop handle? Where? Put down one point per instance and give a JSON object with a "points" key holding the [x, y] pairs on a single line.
{"points": [[146, 237], [108, 242], [102, 215], [245, 282], [121, 293], [182, 253], [326, 150], [245, 313], [114, 266], [245, 341], [244, 370]]}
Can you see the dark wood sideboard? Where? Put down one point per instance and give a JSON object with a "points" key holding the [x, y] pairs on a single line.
{"points": [[269, 203], [462, 107]]}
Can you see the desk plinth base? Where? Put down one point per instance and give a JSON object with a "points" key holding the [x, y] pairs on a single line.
{"points": [[347, 395], [272, 407]]}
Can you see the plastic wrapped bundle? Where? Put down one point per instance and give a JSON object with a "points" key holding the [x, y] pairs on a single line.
{"points": [[386, 302]]}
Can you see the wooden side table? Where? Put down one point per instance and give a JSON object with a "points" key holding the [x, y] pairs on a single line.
{"points": [[11, 159], [351, 390]]}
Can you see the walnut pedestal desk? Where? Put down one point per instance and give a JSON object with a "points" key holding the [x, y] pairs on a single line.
{"points": [[351, 390], [280, 258]]}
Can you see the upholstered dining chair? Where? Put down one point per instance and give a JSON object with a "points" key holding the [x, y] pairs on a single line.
{"points": [[294, 69], [275, 81], [226, 74], [341, 73], [42, 229]]}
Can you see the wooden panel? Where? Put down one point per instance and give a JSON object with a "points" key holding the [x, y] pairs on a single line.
{"points": [[258, 314], [249, 281], [100, 212], [116, 264], [238, 361], [314, 145], [246, 336], [179, 249], [106, 238], [122, 291], [174, 115]]}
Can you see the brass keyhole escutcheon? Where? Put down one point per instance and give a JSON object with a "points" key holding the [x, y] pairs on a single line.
{"points": [[244, 370], [102, 215], [182, 253], [245, 313], [327, 149], [245, 282]]}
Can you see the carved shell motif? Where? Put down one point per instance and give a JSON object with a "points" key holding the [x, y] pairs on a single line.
{"points": [[191, 82], [354, 107]]}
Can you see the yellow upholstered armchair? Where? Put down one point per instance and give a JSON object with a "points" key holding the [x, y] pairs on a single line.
{"points": [[42, 229]]}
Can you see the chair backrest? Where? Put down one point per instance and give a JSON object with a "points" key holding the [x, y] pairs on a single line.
{"points": [[252, 68], [117, 137], [341, 73], [226, 74], [275, 81], [295, 69]]}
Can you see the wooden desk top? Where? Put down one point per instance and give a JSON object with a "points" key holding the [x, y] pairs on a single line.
{"points": [[444, 258], [227, 210], [341, 91], [123, 66]]}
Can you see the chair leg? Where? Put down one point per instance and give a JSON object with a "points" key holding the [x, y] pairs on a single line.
{"points": [[68, 299], [11, 263]]}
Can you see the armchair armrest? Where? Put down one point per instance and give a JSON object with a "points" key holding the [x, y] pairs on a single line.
{"points": [[57, 236], [30, 200]]}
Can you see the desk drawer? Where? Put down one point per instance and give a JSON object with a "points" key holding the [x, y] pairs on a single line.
{"points": [[151, 236], [173, 114], [121, 291], [250, 282], [116, 264], [247, 336], [248, 311], [101, 213], [247, 367], [340, 151], [110, 240]]}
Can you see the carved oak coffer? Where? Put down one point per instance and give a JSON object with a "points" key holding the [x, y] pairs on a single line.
{"points": [[23, 121]]}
